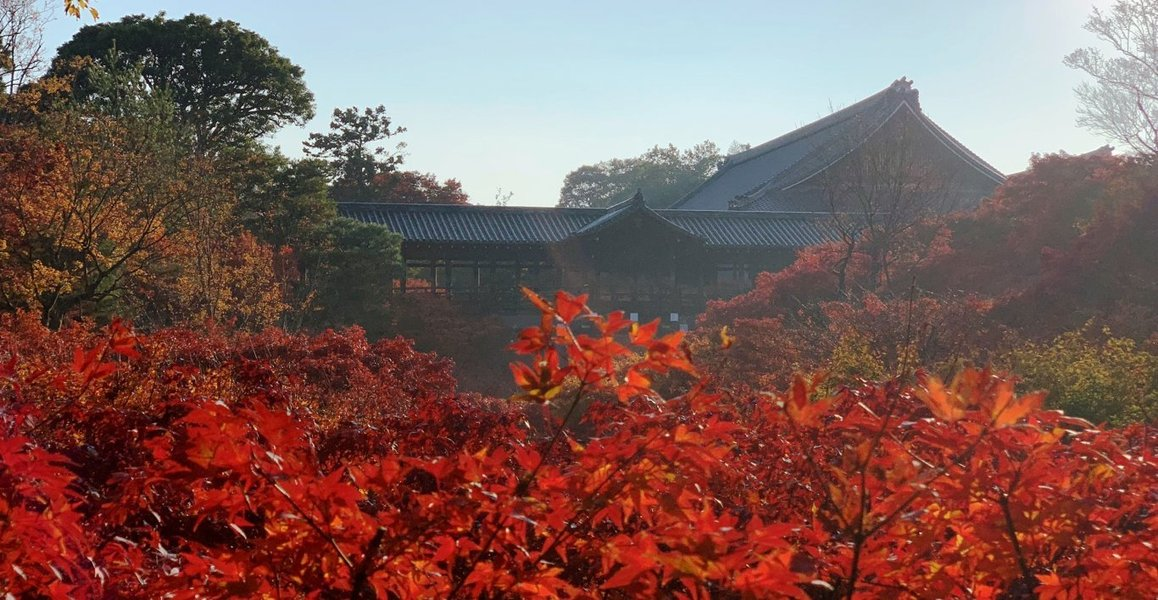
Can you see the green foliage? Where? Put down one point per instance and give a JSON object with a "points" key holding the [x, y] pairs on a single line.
{"points": [[230, 85], [284, 202], [351, 276], [349, 148], [116, 87], [337, 271], [1111, 380], [663, 173]]}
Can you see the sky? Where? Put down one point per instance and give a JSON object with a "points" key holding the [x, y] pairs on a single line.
{"points": [[512, 96]]}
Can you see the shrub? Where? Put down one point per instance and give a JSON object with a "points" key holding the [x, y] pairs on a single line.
{"points": [[212, 465], [1106, 381]]}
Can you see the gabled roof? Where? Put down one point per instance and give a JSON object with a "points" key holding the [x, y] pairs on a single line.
{"points": [[746, 180], [616, 212], [519, 225], [634, 207]]}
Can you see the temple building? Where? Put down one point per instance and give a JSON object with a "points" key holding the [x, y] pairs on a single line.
{"points": [[752, 215], [881, 138]]}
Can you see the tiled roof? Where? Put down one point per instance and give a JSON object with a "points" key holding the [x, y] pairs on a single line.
{"points": [[473, 224], [615, 213], [635, 206], [737, 229], [433, 223], [748, 179]]}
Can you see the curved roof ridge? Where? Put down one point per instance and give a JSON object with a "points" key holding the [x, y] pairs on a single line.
{"points": [[835, 118], [869, 129], [434, 206], [792, 176], [960, 149], [676, 213], [862, 141], [901, 90], [618, 212], [490, 225]]}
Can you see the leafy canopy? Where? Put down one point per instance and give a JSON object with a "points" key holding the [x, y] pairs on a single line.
{"points": [[89, 200], [1109, 380], [663, 173], [362, 170], [230, 85], [351, 150]]}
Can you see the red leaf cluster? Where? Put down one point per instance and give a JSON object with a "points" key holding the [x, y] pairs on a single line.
{"points": [[1062, 245], [185, 464]]}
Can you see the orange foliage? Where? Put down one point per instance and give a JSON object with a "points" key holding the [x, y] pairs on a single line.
{"points": [[196, 465], [98, 216]]}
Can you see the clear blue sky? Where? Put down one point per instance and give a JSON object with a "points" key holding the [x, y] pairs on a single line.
{"points": [[516, 95]]}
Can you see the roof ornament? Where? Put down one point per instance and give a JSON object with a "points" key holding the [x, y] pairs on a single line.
{"points": [[1104, 151], [638, 197], [903, 87]]}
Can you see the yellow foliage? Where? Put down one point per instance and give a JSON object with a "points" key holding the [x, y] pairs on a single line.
{"points": [[853, 358], [83, 205], [1111, 380], [228, 279], [75, 8], [100, 214]]}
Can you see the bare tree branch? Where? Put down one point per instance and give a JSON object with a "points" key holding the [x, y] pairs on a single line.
{"points": [[1122, 101]]}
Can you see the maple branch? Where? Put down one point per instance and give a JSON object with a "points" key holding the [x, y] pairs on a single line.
{"points": [[908, 327], [362, 573], [59, 413], [302, 513], [524, 484], [594, 501], [816, 472], [942, 470], [859, 538], [1011, 530], [521, 489]]}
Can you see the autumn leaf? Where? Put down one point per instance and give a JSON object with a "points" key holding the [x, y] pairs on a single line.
{"points": [[943, 402], [122, 340], [1018, 408], [568, 307], [641, 335], [726, 339], [74, 8], [615, 322], [542, 305], [635, 383]]}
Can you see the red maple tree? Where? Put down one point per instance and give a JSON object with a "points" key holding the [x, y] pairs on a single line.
{"points": [[213, 465]]}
